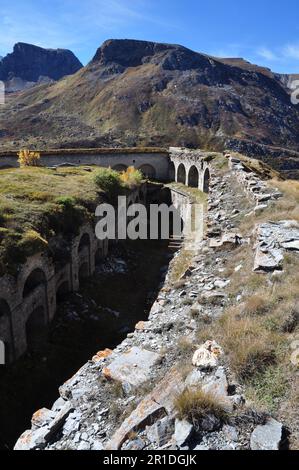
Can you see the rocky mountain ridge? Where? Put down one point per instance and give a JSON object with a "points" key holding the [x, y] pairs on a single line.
{"points": [[29, 64]]}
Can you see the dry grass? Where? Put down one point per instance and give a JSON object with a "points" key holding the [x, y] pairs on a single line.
{"points": [[194, 405]]}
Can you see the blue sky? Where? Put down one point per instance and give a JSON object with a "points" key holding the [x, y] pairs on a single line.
{"points": [[262, 31]]}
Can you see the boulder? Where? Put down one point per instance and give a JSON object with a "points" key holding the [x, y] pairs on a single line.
{"points": [[161, 432], [132, 367], [183, 432], [268, 259], [207, 355], [154, 406], [267, 436]]}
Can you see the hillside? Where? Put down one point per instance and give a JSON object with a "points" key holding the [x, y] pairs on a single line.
{"points": [[144, 93]]}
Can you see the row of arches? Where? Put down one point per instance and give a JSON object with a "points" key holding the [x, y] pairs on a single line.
{"points": [[193, 177], [27, 310], [35, 301]]}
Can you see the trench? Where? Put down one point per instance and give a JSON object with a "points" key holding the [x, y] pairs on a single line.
{"points": [[99, 316], [106, 308]]}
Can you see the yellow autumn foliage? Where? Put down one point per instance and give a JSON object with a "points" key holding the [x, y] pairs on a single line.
{"points": [[28, 158]]}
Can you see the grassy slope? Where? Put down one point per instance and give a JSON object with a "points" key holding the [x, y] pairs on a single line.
{"points": [[258, 332]]}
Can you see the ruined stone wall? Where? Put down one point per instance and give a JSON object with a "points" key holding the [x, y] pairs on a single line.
{"points": [[29, 301]]}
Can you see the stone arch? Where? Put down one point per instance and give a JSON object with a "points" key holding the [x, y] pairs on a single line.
{"points": [[35, 279], [148, 171], [6, 333], [193, 177], [36, 329], [120, 167], [84, 241], [206, 181], [171, 172], [181, 174]]}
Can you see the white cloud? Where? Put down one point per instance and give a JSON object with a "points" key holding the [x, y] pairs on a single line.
{"points": [[291, 51], [267, 54]]}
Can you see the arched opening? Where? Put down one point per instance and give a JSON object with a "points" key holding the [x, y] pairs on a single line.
{"points": [[36, 330], [193, 177], [83, 271], [120, 168], [6, 335], [171, 172], [148, 171], [85, 241], [37, 278], [206, 181], [181, 174], [62, 291]]}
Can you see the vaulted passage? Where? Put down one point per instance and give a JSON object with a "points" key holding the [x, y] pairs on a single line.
{"points": [[62, 291], [193, 177], [119, 167], [6, 330], [206, 181], [171, 171], [181, 176], [148, 171], [36, 328], [84, 242], [35, 279]]}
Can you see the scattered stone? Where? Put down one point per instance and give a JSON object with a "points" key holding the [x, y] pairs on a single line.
{"points": [[135, 444], [230, 432]]}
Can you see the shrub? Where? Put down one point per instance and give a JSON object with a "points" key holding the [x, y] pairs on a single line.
{"points": [[28, 158], [108, 181], [195, 404], [131, 177], [66, 201]]}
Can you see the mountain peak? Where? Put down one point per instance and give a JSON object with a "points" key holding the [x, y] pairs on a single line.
{"points": [[129, 52]]}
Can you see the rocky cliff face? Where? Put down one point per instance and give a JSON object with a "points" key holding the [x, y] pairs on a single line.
{"points": [[31, 63], [145, 93]]}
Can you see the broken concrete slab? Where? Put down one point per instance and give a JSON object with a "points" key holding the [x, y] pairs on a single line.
{"points": [[132, 367]]}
